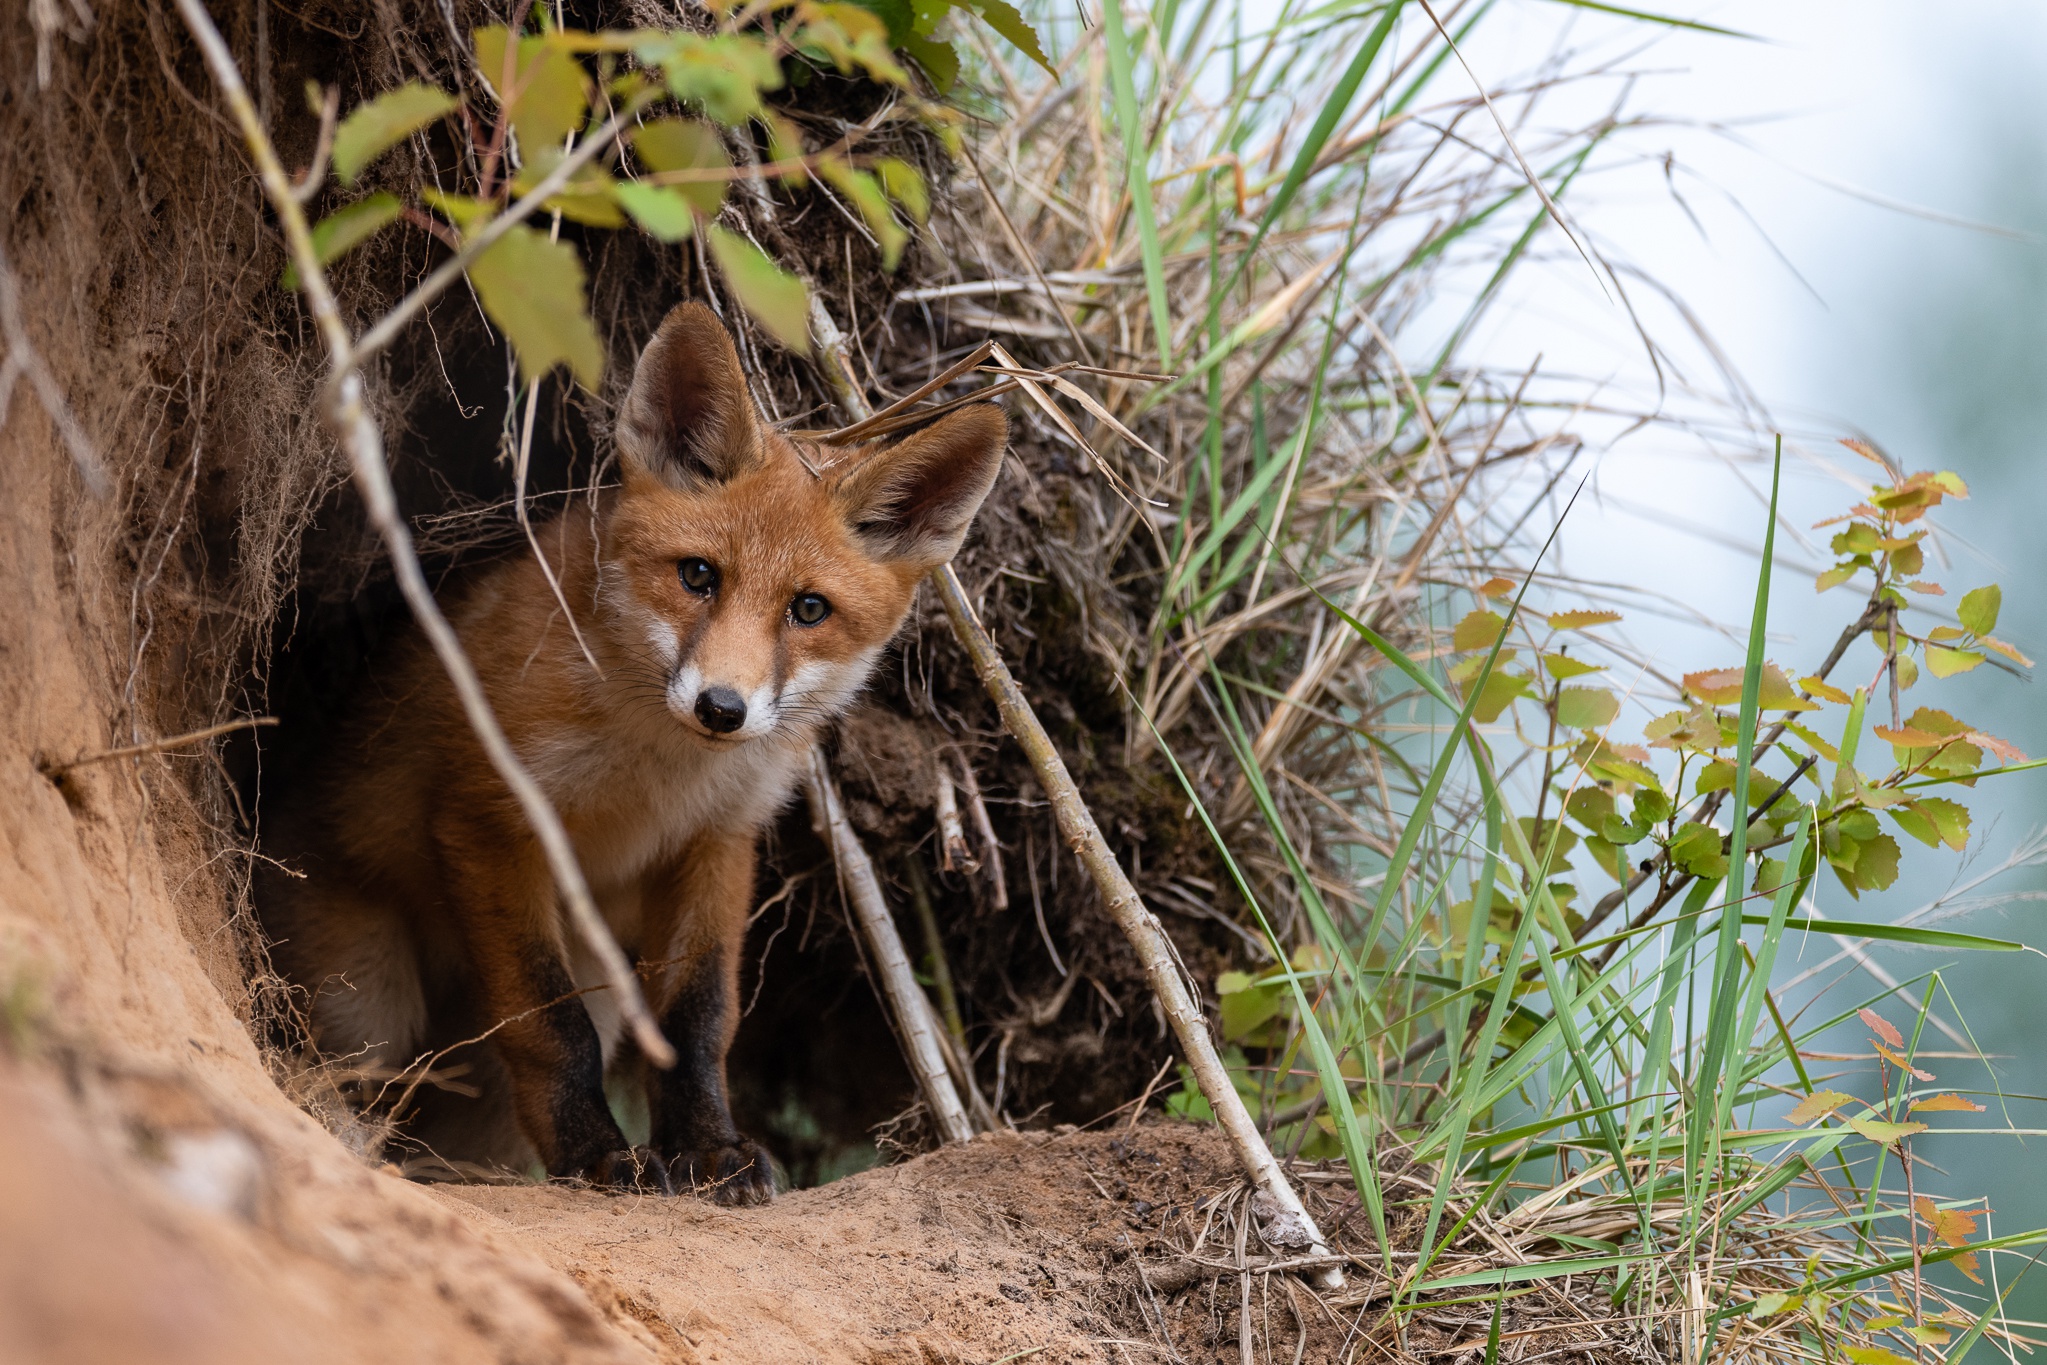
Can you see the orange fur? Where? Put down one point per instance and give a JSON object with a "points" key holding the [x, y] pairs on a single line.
{"points": [[426, 914]]}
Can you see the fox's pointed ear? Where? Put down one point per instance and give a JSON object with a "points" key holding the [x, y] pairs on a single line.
{"points": [[688, 418], [914, 500]]}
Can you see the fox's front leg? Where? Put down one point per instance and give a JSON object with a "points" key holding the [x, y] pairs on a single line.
{"points": [[696, 911], [504, 902]]}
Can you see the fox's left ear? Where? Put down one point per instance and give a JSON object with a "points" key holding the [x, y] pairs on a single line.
{"points": [[914, 500]]}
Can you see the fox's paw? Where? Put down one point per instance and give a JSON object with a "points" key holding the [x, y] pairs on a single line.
{"points": [[738, 1174], [640, 1168]]}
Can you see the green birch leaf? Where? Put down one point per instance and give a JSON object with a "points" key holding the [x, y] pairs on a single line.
{"points": [[662, 211], [533, 289], [1586, 708], [771, 295], [374, 128], [1876, 867], [1836, 576], [1562, 666], [1697, 850], [1978, 610], [346, 227]]}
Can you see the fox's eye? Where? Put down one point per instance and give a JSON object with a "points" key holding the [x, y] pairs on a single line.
{"points": [[808, 608], [698, 575]]}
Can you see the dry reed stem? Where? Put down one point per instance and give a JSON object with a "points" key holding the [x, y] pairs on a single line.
{"points": [[916, 1024], [347, 412], [1147, 937]]}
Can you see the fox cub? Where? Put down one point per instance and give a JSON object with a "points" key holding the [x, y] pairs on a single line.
{"points": [[735, 593]]}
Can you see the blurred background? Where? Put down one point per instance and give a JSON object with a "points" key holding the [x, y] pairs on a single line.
{"points": [[1851, 207]]}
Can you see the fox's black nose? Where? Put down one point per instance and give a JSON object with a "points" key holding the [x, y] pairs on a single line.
{"points": [[721, 709]]}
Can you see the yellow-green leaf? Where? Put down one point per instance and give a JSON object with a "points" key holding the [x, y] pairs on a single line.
{"points": [[1835, 577], [372, 129], [1945, 1104], [1817, 1105], [661, 210], [1882, 1133], [1561, 666], [904, 183], [533, 289], [347, 227], [1500, 691], [865, 192], [1578, 620], [683, 146], [1873, 1355], [1978, 609], [771, 295], [1697, 849], [543, 88], [1945, 663], [586, 199], [1477, 630]]}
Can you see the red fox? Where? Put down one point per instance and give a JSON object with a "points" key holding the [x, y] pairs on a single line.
{"points": [[735, 592]]}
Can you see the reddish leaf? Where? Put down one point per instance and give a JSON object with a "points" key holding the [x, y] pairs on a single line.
{"points": [[1882, 1026], [2009, 752]]}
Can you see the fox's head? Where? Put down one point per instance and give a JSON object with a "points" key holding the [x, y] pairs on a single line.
{"points": [[755, 582]]}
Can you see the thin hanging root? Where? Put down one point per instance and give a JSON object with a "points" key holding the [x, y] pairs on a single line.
{"points": [[952, 834], [916, 1024], [1147, 937], [991, 851], [348, 413]]}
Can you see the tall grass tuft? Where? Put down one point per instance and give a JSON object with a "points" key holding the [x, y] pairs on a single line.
{"points": [[1508, 973]]}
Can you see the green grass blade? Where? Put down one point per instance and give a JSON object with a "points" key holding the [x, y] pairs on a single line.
{"points": [[1137, 167]]}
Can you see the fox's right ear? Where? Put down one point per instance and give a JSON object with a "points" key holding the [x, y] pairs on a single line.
{"points": [[688, 418]]}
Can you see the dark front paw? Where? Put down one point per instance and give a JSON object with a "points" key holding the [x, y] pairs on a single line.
{"points": [[640, 1169], [736, 1174]]}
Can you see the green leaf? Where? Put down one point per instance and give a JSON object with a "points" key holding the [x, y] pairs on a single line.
{"points": [[1878, 1131], [724, 74], [1978, 610], [1836, 576], [1945, 663], [1579, 620], [347, 227], [865, 192], [1877, 866], [774, 298], [680, 145], [374, 128], [1586, 708], [904, 183], [1005, 19], [543, 89], [899, 16], [662, 211], [533, 289], [587, 199], [939, 60], [1697, 849], [1896, 933], [1769, 1305]]}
